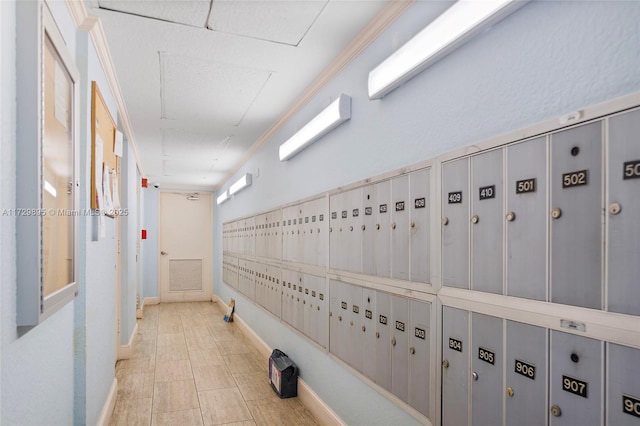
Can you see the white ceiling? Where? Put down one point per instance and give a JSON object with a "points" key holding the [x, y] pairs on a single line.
{"points": [[202, 80]]}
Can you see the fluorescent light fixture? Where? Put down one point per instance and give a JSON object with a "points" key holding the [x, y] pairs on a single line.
{"points": [[50, 188], [241, 183], [223, 197], [447, 32], [331, 117]]}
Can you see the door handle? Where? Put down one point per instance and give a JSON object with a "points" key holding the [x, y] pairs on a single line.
{"points": [[164, 253]]}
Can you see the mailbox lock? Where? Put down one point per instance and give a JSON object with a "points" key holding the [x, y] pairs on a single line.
{"points": [[318, 230], [330, 229], [377, 226], [556, 213], [377, 334], [351, 228], [615, 208], [445, 363], [575, 357], [475, 376], [351, 323], [330, 314], [413, 224], [445, 221], [511, 216], [555, 411], [475, 219], [393, 341], [339, 317], [412, 350], [318, 307], [340, 229], [509, 391], [363, 227], [364, 328], [393, 225]]}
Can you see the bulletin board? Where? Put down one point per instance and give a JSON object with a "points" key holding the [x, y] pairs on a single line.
{"points": [[104, 161]]}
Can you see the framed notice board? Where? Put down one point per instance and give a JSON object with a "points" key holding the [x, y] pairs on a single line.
{"points": [[104, 162]]}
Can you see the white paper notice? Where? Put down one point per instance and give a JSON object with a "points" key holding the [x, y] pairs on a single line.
{"points": [[106, 188], [62, 96], [116, 193], [117, 149], [97, 166]]}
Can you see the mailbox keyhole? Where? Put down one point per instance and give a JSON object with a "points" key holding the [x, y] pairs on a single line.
{"points": [[575, 357], [575, 151]]}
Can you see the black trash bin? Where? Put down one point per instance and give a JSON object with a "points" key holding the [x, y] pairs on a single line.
{"points": [[283, 374]]}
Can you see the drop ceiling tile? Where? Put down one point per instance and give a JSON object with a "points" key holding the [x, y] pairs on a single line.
{"points": [[187, 144], [278, 21], [186, 12], [195, 88], [191, 166]]}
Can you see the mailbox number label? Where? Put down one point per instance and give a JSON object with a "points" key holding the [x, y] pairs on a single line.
{"points": [[356, 309], [525, 369], [631, 405], [313, 219], [306, 219], [368, 314], [420, 333], [419, 203], [383, 208], [334, 215], [579, 178], [344, 305], [289, 222], [574, 386], [355, 213], [486, 356], [313, 293], [344, 214], [400, 206], [382, 319], [487, 192], [455, 197], [399, 326], [526, 185], [631, 170], [368, 211], [321, 217], [455, 344], [321, 296]]}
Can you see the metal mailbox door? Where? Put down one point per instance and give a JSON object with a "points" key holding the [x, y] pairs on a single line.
{"points": [[354, 327], [286, 299], [311, 297], [487, 367], [322, 318], [353, 232], [369, 318], [383, 340], [400, 230], [382, 229], [623, 211], [368, 213], [277, 293], [576, 216], [400, 347], [321, 230], [623, 391], [344, 292], [309, 251], [420, 204], [419, 355], [335, 208], [299, 234], [526, 219], [334, 311], [307, 306], [526, 396], [455, 223], [487, 221], [576, 380], [455, 367], [299, 300]]}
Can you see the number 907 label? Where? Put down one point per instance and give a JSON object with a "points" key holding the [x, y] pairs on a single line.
{"points": [[575, 386]]}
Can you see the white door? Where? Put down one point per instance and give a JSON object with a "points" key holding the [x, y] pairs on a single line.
{"points": [[186, 247]]}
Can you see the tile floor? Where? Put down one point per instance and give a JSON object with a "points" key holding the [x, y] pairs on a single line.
{"points": [[189, 367]]}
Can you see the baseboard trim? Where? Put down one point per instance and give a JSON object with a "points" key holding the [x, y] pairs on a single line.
{"points": [[109, 404], [124, 351], [150, 301], [320, 410]]}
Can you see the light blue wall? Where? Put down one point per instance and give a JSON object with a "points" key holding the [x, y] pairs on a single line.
{"points": [[545, 60], [130, 235]]}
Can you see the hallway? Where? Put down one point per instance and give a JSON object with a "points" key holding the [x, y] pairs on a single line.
{"points": [[189, 367]]}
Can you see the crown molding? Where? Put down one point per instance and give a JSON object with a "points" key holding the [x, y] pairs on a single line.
{"points": [[92, 24], [389, 13]]}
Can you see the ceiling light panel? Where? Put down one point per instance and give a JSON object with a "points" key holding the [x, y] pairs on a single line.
{"points": [[186, 12], [278, 21], [199, 89]]}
